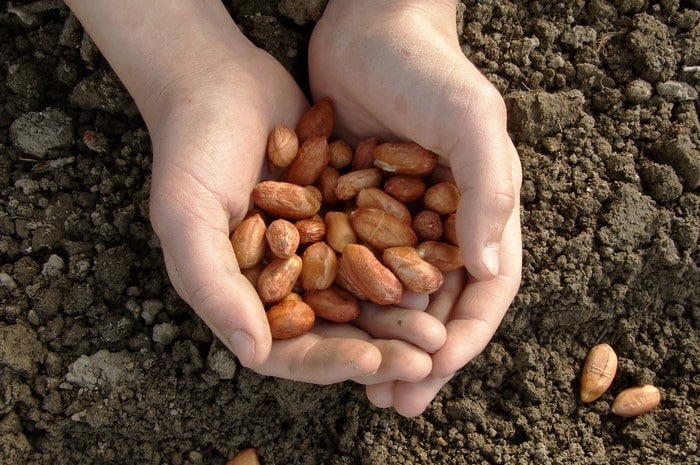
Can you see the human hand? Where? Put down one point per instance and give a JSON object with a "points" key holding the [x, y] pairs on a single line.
{"points": [[396, 70], [209, 99]]}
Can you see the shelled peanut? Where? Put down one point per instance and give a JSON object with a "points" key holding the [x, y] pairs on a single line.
{"points": [[342, 226]]}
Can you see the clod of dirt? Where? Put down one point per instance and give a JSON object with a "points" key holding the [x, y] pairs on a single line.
{"points": [[37, 132], [101, 368], [534, 115], [302, 11], [21, 350]]}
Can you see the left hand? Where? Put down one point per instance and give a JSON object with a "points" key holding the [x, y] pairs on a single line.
{"points": [[396, 70]]}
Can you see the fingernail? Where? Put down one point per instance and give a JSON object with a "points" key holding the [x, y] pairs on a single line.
{"points": [[489, 257], [243, 346]]}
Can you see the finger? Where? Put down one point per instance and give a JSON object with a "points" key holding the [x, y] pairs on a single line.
{"points": [[481, 307], [400, 361], [414, 300], [411, 399], [482, 168], [381, 395], [414, 326], [204, 270], [442, 302], [313, 358]]}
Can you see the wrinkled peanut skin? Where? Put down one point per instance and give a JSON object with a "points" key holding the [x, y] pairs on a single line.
{"points": [[350, 184], [636, 401], [290, 318], [333, 304], [282, 146], [373, 197], [446, 257], [282, 238], [598, 372], [405, 188], [319, 266], [317, 121], [285, 200], [404, 158], [311, 229], [248, 241], [312, 158], [442, 198], [381, 229], [278, 278], [428, 225], [414, 273], [373, 279]]}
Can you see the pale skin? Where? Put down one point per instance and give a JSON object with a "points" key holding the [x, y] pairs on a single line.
{"points": [[394, 70]]}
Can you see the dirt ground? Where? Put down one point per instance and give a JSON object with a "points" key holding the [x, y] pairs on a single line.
{"points": [[102, 363]]}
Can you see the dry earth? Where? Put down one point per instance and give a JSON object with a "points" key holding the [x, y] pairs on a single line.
{"points": [[101, 362]]}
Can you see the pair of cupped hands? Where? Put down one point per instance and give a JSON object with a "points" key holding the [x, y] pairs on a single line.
{"points": [[394, 70]]}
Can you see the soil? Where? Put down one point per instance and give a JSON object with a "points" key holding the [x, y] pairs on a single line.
{"points": [[101, 362]]}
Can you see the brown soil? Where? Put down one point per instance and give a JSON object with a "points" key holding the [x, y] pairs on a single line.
{"points": [[101, 362]]}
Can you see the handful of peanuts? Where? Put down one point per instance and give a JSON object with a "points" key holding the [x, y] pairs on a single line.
{"points": [[344, 225]]}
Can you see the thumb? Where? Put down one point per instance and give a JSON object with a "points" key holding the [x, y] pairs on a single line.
{"points": [[482, 164], [203, 269]]}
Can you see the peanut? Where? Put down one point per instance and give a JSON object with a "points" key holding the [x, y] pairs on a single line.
{"points": [[442, 198], [282, 146], [364, 154], [446, 257], [339, 232], [449, 228], [278, 278], [311, 229], [350, 184], [415, 273], [309, 163], [344, 282], [333, 304], [245, 457], [404, 158], [282, 238], [381, 229], [427, 225], [405, 188], [326, 183], [319, 266], [248, 241], [317, 121], [285, 200], [373, 197], [340, 154], [636, 401], [372, 278], [598, 372], [290, 318]]}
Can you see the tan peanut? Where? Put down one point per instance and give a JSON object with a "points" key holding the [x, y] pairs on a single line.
{"points": [[285, 200], [373, 197], [339, 232], [449, 228], [311, 229], [326, 183], [282, 238], [333, 304], [340, 154], [374, 280], [428, 225], [344, 282], [282, 145], [317, 121], [598, 372], [319, 266], [382, 230], [636, 401], [414, 273], [442, 198], [245, 457], [350, 184], [248, 241], [364, 154], [404, 158], [446, 257], [252, 274], [295, 296], [278, 278], [405, 188], [290, 318], [312, 158]]}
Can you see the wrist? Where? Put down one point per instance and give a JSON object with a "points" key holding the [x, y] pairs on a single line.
{"points": [[157, 45]]}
